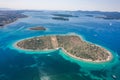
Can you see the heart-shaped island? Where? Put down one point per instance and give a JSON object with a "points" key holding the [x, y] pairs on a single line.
{"points": [[72, 45]]}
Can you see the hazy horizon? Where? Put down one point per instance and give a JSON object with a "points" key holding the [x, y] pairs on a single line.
{"points": [[72, 5]]}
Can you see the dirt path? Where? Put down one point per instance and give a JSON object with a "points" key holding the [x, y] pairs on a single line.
{"points": [[54, 42]]}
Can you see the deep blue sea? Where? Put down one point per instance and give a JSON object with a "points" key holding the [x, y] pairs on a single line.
{"points": [[18, 64]]}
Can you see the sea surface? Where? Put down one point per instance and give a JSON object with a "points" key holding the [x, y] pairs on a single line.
{"points": [[18, 64]]}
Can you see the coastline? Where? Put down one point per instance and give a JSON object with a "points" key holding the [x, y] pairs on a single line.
{"points": [[69, 54], [7, 22], [109, 58], [29, 50], [88, 60], [106, 49], [11, 22]]}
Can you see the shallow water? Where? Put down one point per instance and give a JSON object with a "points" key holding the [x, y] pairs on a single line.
{"points": [[17, 64]]}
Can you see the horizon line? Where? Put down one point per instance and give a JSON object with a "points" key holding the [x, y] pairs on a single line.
{"points": [[55, 10]]}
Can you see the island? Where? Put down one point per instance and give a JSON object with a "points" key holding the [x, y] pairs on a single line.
{"points": [[102, 15], [72, 45], [10, 16], [89, 15], [64, 15], [110, 15], [39, 28], [61, 18]]}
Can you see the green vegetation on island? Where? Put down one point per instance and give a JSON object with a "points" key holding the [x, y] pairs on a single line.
{"points": [[73, 46]]}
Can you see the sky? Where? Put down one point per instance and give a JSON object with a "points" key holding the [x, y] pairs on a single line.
{"points": [[91, 5]]}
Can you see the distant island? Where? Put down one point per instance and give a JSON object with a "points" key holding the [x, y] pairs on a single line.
{"points": [[60, 18], [72, 45], [89, 15], [7, 17], [110, 15], [39, 28], [103, 15], [64, 15]]}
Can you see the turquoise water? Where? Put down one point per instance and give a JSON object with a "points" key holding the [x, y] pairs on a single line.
{"points": [[16, 64]]}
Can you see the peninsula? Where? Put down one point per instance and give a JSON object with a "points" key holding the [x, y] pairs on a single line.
{"points": [[7, 17], [72, 45], [39, 28]]}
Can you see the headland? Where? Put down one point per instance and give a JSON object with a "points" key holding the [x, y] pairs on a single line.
{"points": [[7, 17]]}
